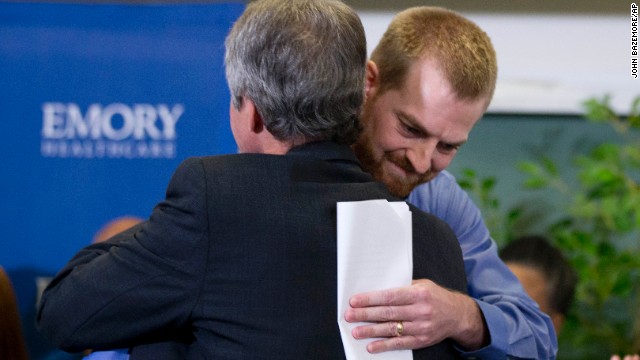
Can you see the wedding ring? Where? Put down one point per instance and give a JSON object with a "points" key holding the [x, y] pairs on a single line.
{"points": [[399, 328]]}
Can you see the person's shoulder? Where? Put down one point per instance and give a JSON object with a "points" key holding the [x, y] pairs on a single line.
{"points": [[443, 179], [429, 221], [436, 251], [239, 168], [445, 176], [237, 158], [426, 196]]}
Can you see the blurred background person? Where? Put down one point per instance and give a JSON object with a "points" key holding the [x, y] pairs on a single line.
{"points": [[12, 342], [626, 357], [545, 274], [115, 226], [45, 350]]}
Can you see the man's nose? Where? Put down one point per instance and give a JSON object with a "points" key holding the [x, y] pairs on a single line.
{"points": [[420, 157]]}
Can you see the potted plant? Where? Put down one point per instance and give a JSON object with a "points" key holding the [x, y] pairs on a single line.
{"points": [[599, 232]]}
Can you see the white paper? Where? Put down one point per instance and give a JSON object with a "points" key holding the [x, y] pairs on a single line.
{"points": [[374, 253]]}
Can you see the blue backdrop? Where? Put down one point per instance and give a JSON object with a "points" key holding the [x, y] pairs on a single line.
{"points": [[100, 103]]}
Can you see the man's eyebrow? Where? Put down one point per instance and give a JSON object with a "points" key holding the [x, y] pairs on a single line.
{"points": [[457, 144], [411, 120]]}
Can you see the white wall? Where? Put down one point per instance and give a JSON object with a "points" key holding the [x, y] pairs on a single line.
{"points": [[550, 63]]}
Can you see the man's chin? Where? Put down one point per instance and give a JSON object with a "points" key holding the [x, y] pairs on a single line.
{"points": [[400, 193], [400, 189]]}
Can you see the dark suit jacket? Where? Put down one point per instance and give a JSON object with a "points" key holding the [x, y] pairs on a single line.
{"points": [[238, 262]]}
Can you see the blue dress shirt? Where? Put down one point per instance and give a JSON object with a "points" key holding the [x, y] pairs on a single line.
{"points": [[122, 354], [517, 327]]}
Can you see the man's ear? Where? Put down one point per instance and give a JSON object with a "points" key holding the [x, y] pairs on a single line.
{"points": [[372, 79], [255, 123]]}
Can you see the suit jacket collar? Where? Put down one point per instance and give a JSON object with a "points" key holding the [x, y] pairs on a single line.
{"points": [[326, 150]]}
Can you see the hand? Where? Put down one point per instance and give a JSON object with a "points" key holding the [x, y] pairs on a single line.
{"points": [[429, 314]]}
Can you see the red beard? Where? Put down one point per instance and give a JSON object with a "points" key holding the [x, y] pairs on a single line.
{"points": [[399, 186]]}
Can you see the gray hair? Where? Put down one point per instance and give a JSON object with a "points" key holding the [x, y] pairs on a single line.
{"points": [[302, 63]]}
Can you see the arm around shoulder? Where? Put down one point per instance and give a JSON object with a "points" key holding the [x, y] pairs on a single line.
{"points": [[516, 325], [146, 279]]}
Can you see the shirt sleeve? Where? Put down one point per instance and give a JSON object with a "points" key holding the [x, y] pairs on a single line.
{"points": [[139, 285], [121, 354], [517, 327]]}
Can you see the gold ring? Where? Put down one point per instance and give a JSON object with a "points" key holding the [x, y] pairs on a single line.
{"points": [[399, 328]]}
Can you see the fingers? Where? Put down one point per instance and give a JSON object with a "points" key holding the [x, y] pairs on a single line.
{"points": [[388, 330], [379, 314], [395, 343], [379, 306], [416, 305], [383, 329], [396, 296], [408, 342]]}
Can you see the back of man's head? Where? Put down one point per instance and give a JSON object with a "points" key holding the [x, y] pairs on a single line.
{"points": [[115, 226], [302, 63], [536, 252], [463, 51]]}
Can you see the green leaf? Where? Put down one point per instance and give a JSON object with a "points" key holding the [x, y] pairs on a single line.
{"points": [[465, 184], [488, 183], [535, 183], [470, 173], [550, 166], [529, 168], [635, 107], [634, 121], [599, 110]]}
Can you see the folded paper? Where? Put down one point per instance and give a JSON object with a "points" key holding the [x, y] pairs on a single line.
{"points": [[374, 253]]}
